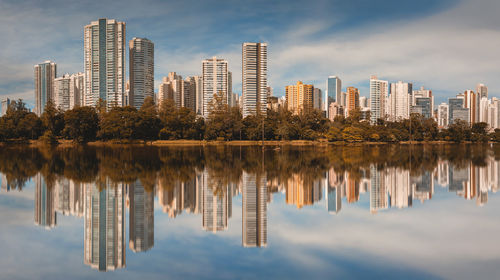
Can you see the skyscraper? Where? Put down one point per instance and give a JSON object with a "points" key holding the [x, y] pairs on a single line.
{"points": [[172, 87], [422, 92], [333, 92], [378, 95], [400, 100], [457, 111], [216, 81], [104, 228], [299, 97], [141, 226], [443, 115], [254, 210], [5, 103], [317, 99], [482, 90], [141, 54], [45, 73], [104, 62], [254, 78], [352, 100], [471, 101], [68, 91]]}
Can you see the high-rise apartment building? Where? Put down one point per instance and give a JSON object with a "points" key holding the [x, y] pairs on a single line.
{"points": [[333, 92], [378, 96], [422, 92], [45, 74], [141, 59], [471, 101], [352, 100], [5, 103], [191, 90], [482, 90], [68, 91], [299, 97], [217, 81], [400, 100], [172, 87], [457, 111], [254, 78], [104, 62], [443, 115], [317, 99]]}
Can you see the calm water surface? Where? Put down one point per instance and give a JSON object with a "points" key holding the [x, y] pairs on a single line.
{"points": [[243, 212]]}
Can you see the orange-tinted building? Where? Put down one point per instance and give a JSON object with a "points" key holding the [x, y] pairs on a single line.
{"points": [[352, 100], [299, 97]]}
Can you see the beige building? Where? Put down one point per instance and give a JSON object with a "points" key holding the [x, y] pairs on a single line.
{"points": [[299, 97], [104, 62]]}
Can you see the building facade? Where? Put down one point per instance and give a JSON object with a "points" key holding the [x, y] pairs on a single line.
{"points": [[104, 62], [378, 96], [299, 97], [45, 74], [217, 81], [333, 92], [352, 100], [400, 100], [254, 78], [141, 59]]}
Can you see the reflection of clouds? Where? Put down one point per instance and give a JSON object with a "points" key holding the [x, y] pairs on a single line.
{"points": [[426, 238]]}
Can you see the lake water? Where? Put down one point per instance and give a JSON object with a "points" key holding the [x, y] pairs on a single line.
{"points": [[221, 212]]}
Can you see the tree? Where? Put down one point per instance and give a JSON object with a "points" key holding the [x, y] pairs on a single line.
{"points": [[149, 124], [119, 123], [53, 118], [81, 124]]}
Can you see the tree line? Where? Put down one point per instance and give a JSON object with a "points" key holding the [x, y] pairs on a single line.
{"points": [[167, 122]]}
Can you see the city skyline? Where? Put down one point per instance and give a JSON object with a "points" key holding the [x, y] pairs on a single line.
{"points": [[308, 51]]}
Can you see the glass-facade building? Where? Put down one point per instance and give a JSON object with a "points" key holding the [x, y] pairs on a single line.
{"points": [[333, 92], [45, 74]]}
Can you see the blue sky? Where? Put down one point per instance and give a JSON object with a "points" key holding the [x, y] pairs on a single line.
{"points": [[445, 45]]}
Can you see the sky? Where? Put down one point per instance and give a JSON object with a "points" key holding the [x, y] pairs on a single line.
{"points": [[447, 46]]}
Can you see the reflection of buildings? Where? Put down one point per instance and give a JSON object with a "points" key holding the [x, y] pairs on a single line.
{"points": [[179, 196], [378, 190], [398, 184], [443, 171], [351, 188], [5, 183], [423, 186], [254, 210], [69, 198], [45, 212], [141, 215], [104, 243], [333, 192], [216, 204], [300, 191]]}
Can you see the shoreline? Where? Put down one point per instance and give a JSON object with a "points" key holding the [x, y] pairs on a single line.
{"points": [[192, 143]]}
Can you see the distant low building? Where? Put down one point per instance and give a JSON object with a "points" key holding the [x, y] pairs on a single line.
{"points": [[5, 103]]}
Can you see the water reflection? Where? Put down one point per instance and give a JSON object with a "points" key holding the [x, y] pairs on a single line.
{"points": [[101, 184]]}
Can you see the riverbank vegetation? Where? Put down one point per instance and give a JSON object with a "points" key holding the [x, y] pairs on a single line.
{"points": [[84, 124]]}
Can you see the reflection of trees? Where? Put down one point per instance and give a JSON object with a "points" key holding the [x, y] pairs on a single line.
{"points": [[225, 164]]}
